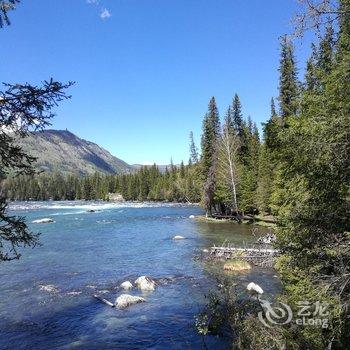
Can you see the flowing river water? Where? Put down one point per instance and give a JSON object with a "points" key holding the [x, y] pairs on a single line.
{"points": [[46, 297]]}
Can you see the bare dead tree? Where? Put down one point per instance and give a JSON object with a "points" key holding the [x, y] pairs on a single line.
{"points": [[227, 163], [317, 14], [5, 7]]}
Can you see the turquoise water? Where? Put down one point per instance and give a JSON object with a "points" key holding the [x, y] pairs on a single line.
{"points": [[46, 297]]}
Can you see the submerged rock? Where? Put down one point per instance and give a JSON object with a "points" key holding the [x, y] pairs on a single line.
{"points": [[126, 285], [178, 237], [237, 265], [126, 300], [43, 221], [145, 283]]}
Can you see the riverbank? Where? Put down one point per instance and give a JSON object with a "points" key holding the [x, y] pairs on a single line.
{"points": [[260, 220]]}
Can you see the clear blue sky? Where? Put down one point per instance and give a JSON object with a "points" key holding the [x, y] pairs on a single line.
{"points": [[145, 69]]}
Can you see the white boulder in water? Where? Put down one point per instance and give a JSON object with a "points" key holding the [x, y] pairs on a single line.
{"points": [[191, 216], [43, 221], [126, 300], [255, 288], [126, 285], [145, 283], [178, 237]]}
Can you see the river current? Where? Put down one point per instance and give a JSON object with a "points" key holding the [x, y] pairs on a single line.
{"points": [[46, 298]]}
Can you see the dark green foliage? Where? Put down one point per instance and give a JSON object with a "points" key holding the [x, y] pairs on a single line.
{"points": [[14, 234], [181, 185], [288, 85], [209, 190], [271, 129], [194, 158], [240, 127], [229, 121], [265, 180], [302, 174], [211, 131], [237, 118], [23, 108], [313, 191]]}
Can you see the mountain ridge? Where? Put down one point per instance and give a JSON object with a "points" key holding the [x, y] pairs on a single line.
{"points": [[65, 152]]}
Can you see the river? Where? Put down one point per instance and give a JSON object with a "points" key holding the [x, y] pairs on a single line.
{"points": [[46, 297]]}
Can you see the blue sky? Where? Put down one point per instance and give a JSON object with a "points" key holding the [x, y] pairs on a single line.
{"points": [[146, 69]]}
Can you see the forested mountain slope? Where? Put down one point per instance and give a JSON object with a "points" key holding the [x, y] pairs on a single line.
{"points": [[62, 151]]}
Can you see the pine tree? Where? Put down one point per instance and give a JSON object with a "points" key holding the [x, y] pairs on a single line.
{"points": [[311, 80], [272, 129], [314, 195], [193, 151], [265, 180], [182, 170], [240, 127], [288, 84], [229, 122], [32, 105], [211, 132], [326, 51], [273, 108], [237, 118]]}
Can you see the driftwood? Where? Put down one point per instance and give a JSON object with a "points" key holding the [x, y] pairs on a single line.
{"points": [[260, 256], [104, 300], [227, 217], [248, 217]]}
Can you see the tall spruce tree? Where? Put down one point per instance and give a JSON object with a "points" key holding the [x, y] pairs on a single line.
{"points": [[314, 197], [210, 136], [193, 150], [326, 51], [271, 129], [288, 84], [237, 117], [229, 122], [240, 128]]}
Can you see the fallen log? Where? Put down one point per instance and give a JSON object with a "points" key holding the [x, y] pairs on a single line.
{"points": [[233, 249], [262, 257], [104, 300]]}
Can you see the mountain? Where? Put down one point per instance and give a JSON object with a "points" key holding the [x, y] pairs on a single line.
{"points": [[61, 150]]}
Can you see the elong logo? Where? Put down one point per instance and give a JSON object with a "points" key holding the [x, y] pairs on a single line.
{"points": [[309, 314]]}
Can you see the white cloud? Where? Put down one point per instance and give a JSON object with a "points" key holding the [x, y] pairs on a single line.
{"points": [[105, 13], [92, 1]]}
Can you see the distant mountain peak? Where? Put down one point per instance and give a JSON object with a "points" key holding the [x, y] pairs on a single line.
{"points": [[65, 152]]}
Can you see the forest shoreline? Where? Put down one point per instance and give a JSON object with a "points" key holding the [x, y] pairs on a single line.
{"points": [[255, 220]]}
